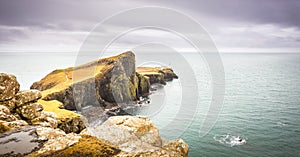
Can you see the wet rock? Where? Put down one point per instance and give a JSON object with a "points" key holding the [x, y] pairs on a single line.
{"points": [[26, 96], [19, 142], [30, 111], [128, 133], [9, 86]]}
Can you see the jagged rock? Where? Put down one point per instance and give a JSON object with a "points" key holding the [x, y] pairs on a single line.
{"points": [[26, 96], [176, 148], [15, 124], [74, 124], [68, 121], [128, 133], [4, 109], [143, 85], [55, 139], [9, 86], [30, 111], [119, 136], [5, 114], [10, 104], [110, 79], [47, 119], [157, 74], [3, 127], [87, 146]]}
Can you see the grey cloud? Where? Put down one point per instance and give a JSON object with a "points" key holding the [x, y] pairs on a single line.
{"points": [[70, 15], [11, 35]]}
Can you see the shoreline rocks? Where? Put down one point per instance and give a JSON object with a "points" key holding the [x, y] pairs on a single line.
{"points": [[158, 75], [25, 108]]}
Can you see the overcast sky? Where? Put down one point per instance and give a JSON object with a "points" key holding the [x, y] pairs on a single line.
{"points": [[234, 25]]}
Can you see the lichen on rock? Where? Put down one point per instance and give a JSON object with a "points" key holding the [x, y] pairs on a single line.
{"points": [[27, 96], [9, 86]]}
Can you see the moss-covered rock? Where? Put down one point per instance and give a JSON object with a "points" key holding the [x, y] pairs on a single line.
{"points": [[67, 121], [87, 146], [143, 85], [3, 127], [112, 79]]}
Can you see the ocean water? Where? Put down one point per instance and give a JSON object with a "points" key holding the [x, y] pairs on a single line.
{"points": [[261, 101]]}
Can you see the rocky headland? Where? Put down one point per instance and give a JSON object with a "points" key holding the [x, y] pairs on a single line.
{"points": [[48, 119]]}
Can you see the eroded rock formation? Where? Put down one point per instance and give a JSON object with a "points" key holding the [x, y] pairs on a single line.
{"points": [[23, 108], [112, 79]]}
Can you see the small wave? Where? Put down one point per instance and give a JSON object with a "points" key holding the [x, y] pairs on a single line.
{"points": [[281, 124], [230, 140]]}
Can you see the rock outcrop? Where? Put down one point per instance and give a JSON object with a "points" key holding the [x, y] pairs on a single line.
{"points": [[23, 108], [8, 86], [157, 74], [137, 136], [118, 136], [111, 80], [36, 123]]}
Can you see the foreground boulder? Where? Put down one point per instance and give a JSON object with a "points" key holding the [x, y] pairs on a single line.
{"points": [[137, 136], [19, 109], [111, 80], [118, 136], [27, 96], [8, 86]]}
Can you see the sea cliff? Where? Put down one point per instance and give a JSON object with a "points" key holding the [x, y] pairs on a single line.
{"points": [[42, 118]]}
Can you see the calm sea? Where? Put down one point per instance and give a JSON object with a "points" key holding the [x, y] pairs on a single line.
{"points": [[261, 101]]}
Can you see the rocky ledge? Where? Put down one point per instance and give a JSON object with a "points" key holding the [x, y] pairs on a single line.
{"points": [[38, 121]]}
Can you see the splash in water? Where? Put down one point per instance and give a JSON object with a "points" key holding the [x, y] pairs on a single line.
{"points": [[230, 140]]}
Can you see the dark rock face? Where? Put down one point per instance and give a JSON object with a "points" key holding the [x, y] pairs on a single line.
{"points": [[112, 80], [9, 86]]}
